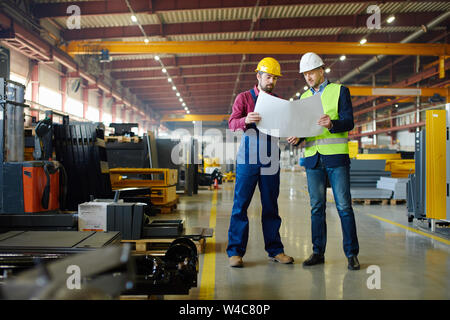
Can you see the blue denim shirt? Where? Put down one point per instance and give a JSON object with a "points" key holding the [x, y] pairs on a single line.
{"points": [[344, 123]]}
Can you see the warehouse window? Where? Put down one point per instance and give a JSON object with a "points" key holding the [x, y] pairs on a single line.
{"points": [[50, 98], [92, 114], [21, 79], [74, 107], [107, 119]]}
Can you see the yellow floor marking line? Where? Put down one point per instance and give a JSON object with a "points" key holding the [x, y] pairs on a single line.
{"points": [[447, 242], [208, 277]]}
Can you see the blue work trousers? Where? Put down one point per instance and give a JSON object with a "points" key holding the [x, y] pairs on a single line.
{"points": [[247, 177], [339, 178]]}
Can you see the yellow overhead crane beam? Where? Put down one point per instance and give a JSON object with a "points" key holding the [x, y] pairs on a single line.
{"points": [[393, 91], [256, 47]]}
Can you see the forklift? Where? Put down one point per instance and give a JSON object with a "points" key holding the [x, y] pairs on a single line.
{"points": [[30, 191]]}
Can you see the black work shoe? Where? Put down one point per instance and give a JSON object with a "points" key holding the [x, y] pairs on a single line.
{"points": [[353, 263], [314, 259]]}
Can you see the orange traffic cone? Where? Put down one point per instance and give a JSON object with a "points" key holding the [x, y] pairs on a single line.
{"points": [[216, 184]]}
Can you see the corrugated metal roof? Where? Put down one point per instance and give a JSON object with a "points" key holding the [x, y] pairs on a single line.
{"points": [[313, 10], [150, 56], [179, 16], [112, 20], [247, 13], [364, 30], [426, 6], [138, 39], [284, 33]]}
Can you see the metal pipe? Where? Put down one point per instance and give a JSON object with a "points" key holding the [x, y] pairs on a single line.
{"points": [[409, 38], [379, 131]]}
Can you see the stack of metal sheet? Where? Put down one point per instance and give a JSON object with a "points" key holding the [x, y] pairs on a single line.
{"points": [[127, 218], [397, 185], [364, 175], [370, 193], [381, 151]]}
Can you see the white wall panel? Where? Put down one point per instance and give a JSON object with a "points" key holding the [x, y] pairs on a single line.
{"points": [[19, 63]]}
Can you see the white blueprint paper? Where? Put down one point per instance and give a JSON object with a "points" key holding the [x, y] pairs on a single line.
{"points": [[283, 118]]}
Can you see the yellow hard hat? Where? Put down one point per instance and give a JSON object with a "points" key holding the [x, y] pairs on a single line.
{"points": [[269, 65]]}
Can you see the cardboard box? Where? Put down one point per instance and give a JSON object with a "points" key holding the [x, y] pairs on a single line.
{"points": [[92, 216]]}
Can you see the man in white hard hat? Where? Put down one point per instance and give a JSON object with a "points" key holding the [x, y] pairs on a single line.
{"points": [[251, 173], [326, 158]]}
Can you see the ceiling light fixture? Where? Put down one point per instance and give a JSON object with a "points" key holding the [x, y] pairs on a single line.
{"points": [[363, 41], [327, 70], [342, 58], [305, 88], [390, 19], [133, 18], [164, 70], [157, 58]]}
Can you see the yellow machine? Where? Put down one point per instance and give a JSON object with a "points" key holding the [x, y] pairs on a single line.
{"points": [[353, 149], [162, 182], [229, 176], [209, 164], [436, 164]]}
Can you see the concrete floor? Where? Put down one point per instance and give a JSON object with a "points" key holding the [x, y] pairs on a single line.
{"points": [[411, 265]]}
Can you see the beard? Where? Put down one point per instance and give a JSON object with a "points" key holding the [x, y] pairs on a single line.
{"points": [[268, 88]]}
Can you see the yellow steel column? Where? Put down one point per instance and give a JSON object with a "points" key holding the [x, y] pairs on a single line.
{"points": [[436, 164]]}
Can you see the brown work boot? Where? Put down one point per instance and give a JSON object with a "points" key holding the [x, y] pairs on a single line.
{"points": [[236, 262], [282, 258]]}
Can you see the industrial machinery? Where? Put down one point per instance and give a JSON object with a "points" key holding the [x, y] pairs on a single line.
{"points": [[208, 179], [97, 274], [34, 265], [428, 188], [25, 186], [123, 129], [174, 273]]}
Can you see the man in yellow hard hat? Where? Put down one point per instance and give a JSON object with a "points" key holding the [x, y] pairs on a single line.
{"points": [[250, 171], [326, 157]]}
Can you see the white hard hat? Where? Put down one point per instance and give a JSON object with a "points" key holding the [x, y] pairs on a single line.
{"points": [[310, 61]]}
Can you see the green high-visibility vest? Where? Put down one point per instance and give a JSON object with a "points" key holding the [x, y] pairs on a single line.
{"points": [[327, 143]]}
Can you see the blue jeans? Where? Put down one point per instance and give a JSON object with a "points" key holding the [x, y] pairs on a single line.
{"points": [[339, 178]]}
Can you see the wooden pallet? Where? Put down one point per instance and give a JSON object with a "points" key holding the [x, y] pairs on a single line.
{"points": [[392, 202], [163, 195], [157, 246], [395, 202], [168, 207], [133, 139], [371, 201]]}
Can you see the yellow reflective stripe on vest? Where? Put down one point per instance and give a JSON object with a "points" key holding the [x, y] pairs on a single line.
{"points": [[327, 143]]}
